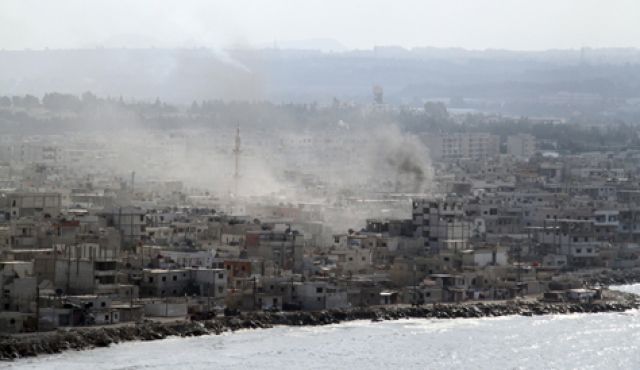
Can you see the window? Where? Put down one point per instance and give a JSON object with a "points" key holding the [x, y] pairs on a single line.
{"points": [[220, 276], [318, 290], [106, 317], [151, 279], [175, 278], [164, 278], [103, 304]]}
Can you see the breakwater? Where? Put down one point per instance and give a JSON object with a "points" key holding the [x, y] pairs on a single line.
{"points": [[17, 346], [612, 277]]}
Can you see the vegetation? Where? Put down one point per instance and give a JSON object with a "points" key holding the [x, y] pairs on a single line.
{"points": [[57, 112]]}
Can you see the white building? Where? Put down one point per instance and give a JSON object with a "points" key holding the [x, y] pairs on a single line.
{"points": [[463, 145], [483, 257]]}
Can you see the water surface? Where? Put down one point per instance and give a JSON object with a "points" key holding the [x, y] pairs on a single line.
{"points": [[584, 341]]}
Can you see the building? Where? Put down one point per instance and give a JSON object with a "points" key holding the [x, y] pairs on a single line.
{"points": [[463, 145], [521, 145], [130, 221], [483, 257], [285, 248], [180, 282], [441, 223], [79, 269], [33, 204]]}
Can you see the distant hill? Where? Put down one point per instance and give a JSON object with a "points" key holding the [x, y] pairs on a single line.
{"points": [[279, 74]]}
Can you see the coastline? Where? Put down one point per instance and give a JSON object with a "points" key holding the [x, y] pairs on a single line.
{"points": [[33, 344]]}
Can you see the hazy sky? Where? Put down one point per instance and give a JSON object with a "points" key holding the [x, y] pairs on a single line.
{"points": [[475, 24]]}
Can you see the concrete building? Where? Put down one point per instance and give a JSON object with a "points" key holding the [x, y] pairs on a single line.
{"points": [[164, 283], [321, 295], [441, 223], [33, 204], [483, 257], [463, 145], [521, 145], [285, 248], [180, 282], [80, 269], [130, 221]]}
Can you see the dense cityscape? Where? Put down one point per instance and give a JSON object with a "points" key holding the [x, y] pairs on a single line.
{"points": [[355, 184], [209, 217]]}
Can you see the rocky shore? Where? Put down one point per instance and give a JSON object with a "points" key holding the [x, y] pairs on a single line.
{"points": [[17, 346], [612, 277]]}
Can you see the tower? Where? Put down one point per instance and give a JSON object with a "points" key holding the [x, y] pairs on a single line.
{"points": [[378, 94], [236, 155]]}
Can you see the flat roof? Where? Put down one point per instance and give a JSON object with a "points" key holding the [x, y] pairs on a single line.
{"points": [[15, 262], [161, 271]]}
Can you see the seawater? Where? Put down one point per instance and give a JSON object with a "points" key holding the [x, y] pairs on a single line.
{"points": [[577, 341]]}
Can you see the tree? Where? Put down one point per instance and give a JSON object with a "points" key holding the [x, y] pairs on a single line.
{"points": [[436, 110], [195, 108], [26, 102], [88, 98], [61, 102]]}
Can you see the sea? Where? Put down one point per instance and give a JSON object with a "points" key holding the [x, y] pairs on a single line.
{"points": [[576, 341]]}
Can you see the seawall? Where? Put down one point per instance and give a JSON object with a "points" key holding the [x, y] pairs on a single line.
{"points": [[26, 345]]}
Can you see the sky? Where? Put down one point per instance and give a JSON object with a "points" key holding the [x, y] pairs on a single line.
{"points": [[354, 24]]}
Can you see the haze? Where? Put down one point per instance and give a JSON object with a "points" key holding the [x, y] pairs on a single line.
{"points": [[182, 168], [327, 25]]}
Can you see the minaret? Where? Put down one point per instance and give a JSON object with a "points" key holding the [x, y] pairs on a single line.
{"points": [[236, 154]]}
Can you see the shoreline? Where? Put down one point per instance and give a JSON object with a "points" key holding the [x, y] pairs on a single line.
{"points": [[34, 344]]}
